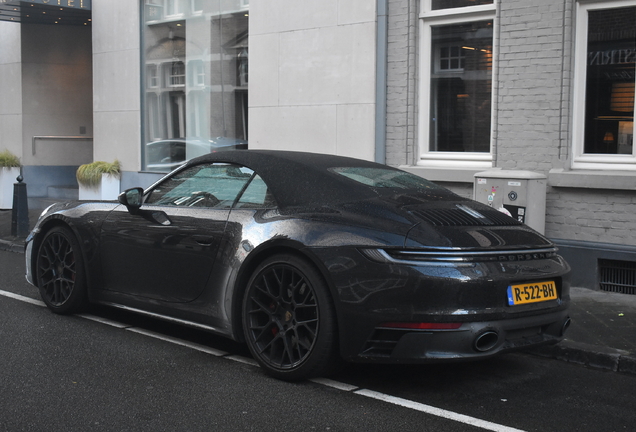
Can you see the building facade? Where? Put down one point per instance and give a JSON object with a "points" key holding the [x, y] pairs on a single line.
{"points": [[445, 89]]}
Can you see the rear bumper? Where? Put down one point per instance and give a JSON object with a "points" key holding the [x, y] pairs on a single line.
{"points": [[472, 340]]}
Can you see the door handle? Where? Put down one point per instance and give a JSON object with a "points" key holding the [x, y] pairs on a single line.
{"points": [[203, 240]]}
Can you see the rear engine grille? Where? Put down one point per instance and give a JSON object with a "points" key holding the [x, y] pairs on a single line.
{"points": [[617, 276], [470, 256], [459, 217]]}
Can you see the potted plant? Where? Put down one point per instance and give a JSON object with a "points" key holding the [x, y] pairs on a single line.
{"points": [[99, 180], [9, 170]]}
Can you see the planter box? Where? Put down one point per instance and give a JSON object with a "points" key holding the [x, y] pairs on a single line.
{"points": [[7, 179], [108, 189]]}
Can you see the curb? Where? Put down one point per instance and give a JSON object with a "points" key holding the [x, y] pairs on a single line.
{"points": [[11, 246], [589, 355]]}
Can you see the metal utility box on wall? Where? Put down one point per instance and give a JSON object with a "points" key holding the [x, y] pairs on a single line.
{"points": [[521, 194]]}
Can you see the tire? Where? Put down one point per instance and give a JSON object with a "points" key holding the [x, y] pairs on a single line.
{"points": [[60, 272], [289, 320]]}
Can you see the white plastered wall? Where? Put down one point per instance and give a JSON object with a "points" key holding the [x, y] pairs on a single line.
{"points": [[10, 88], [56, 94], [116, 100], [313, 75]]}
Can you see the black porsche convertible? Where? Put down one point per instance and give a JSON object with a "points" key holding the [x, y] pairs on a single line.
{"points": [[309, 259]]}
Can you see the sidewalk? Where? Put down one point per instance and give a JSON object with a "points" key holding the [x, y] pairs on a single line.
{"points": [[602, 334]]}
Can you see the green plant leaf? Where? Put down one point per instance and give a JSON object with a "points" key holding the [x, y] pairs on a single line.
{"points": [[90, 175], [9, 160]]}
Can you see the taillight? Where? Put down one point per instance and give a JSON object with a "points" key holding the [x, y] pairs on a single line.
{"points": [[421, 326]]}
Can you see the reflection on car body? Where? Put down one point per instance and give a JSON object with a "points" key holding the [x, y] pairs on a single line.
{"points": [[309, 259]]}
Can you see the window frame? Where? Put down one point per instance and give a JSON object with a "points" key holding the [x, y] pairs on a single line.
{"points": [[580, 159], [433, 18], [238, 201]]}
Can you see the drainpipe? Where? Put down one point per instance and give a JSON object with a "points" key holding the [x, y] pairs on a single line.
{"points": [[380, 82]]}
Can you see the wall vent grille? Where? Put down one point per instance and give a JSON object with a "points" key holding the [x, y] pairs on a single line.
{"points": [[617, 276]]}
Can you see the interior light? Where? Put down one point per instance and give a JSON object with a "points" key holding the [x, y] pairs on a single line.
{"points": [[622, 97]]}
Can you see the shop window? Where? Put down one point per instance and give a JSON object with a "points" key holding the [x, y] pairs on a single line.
{"points": [[196, 81], [604, 86], [456, 101]]}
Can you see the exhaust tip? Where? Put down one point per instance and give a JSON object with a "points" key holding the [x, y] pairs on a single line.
{"points": [[566, 325], [486, 341]]}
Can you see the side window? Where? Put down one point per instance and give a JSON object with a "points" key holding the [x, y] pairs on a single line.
{"points": [[256, 195], [206, 185]]}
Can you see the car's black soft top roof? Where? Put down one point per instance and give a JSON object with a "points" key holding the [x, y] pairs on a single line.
{"points": [[299, 178]]}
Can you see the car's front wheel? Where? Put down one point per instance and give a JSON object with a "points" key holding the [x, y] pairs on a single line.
{"points": [[60, 271], [289, 320]]}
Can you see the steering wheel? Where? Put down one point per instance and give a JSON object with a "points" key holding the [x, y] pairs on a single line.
{"points": [[206, 199]]}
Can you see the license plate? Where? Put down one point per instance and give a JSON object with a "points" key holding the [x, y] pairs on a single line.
{"points": [[531, 293]]}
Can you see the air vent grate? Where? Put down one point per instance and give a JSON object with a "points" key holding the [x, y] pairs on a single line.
{"points": [[459, 217], [617, 276]]}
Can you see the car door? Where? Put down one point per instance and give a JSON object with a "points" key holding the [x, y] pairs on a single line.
{"points": [[166, 250]]}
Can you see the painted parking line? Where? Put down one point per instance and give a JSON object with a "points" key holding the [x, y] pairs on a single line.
{"points": [[405, 403], [438, 412], [22, 298], [177, 341]]}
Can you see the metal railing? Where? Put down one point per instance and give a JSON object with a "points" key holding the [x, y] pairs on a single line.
{"points": [[58, 137]]}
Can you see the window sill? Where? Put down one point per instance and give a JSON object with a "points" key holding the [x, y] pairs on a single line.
{"points": [[619, 180], [443, 174]]}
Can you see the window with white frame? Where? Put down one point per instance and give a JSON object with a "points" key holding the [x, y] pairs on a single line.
{"points": [[456, 79], [605, 73], [176, 74], [152, 76], [174, 7]]}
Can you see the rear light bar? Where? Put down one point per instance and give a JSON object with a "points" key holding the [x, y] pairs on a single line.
{"points": [[456, 257], [421, 326]]}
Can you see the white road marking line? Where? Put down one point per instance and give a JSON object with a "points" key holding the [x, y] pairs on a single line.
{"points": [[438, 412], [241, 359], [22, 298], [427, 409], [101, 320], [176, 341], [334, 384]]}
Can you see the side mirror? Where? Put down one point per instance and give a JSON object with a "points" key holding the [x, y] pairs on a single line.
{"points": [[132, 199]]}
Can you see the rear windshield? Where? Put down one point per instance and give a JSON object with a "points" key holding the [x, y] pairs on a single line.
{"points": [[385, 178]]}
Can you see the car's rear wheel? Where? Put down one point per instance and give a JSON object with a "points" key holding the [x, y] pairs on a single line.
{"points": [[60, 272], [289, 319]]}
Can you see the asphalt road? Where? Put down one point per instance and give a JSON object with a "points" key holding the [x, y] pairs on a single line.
{"points": [[113, 371]]}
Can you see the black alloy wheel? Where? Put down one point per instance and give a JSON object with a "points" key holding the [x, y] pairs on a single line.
{"points": [[60, 272], [289, 319]]}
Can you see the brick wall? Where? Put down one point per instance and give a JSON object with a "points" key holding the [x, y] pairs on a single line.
{"points": [[401, 81], [532, 84], [595, 215], [532, 96]]}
